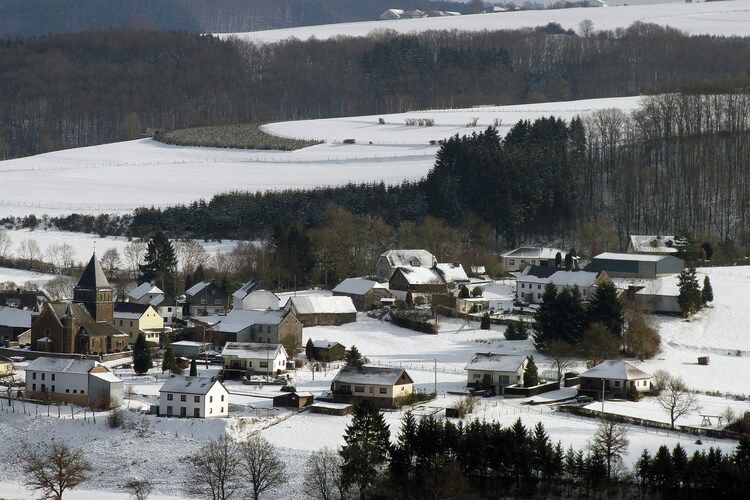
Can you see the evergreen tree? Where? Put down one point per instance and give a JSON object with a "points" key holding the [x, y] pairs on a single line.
{"points": [[545, 324], [530, 374], [409, 298], [160, 263], [141, 355], [169, 363], [193, 368], [367, 447], [708, 292], [689, 299], [484, 324], [570, 316], [463, 292], [643, 471], [354, 358], [606, 308], [310, 350], [402, 455]]}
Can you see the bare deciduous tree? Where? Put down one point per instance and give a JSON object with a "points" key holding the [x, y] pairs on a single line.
{"points": [[5, 244], [140, 489], [676, 399], [215, 470], [54, 468], [611, 442], [60, 287], [62, 256], [562, 356], [134, 253], [323, 474], [110, 260], [262, 464], [29, 250], [191, 254]]}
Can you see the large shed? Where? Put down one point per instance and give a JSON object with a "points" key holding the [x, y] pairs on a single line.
{"points": [[626, 265]]}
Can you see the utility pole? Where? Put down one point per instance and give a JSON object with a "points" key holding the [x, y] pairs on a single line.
{"points": [[602, 398], [436, 377]]}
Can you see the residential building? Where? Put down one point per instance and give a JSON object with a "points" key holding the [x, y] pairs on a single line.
{"points": [[392, 259], [320, 311], [521, 257], [164, 304], [495, 371], [145, 293], [251, 296], [205, 298], [422, 280], [134, 318], [30, 300], [365, 294], [248, 358], [635, 265], [530, 288], [193, 397], [659, 296], [13, 322], [83, 382], [190, 349], [270, 326], [327, 351], [385, 385], [653, 244], [613, 378]]}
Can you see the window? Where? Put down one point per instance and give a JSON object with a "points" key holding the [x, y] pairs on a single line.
{"points": [[210, 399], [203, 301], [213, 292], [264, 364], [131, 323], [359, 388], [512, 262], [81, 391], [67, 391], [539, 287], [53, 388], [170, 397], [210, 410], [183, 411], [33, 387], [372, 390], [169, 309], [476, 375], [196, 412], [33, 375], [384, 390], [523, 286], [504, 380], [617, 383], [183, 398], [222, 398], [120, 322], [221, 410], [75, 391], [43, 375], [53, 377], [197, 399]]}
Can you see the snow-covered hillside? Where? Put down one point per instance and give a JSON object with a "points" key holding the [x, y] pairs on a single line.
{"points": [[730, 18]]}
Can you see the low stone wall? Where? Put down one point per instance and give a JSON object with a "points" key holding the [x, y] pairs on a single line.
{"points": [[525, 392]]}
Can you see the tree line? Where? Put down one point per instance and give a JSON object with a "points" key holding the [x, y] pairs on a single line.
{"points": [[96, 87]]}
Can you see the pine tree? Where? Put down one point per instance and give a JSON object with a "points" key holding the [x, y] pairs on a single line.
{"points": [[141, 355], [310, 350], [606, 308], [402, 456], [545, 325], [530, 374], [354, 358], [367, 447], [464, 292], [484, 324], [409, 298], [160, 263], [193, 368], [708, 292], [169, 363], [689, 299]]}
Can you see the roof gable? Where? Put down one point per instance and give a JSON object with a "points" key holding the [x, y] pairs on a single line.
{"points": [[491, 362], [378, 375], [617, 370]]}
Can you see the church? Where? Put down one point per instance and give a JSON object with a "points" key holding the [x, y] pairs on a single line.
{"points": [[83, 326]]}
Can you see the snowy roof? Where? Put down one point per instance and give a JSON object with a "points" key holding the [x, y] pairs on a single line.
{"points": [[59, 365], [653, 244], [635, 257], [189, 385], [491, 362], [144, 289], [197, 287], [661, 286], [189, 343], [397, 258], [357, 286], [246, 289], [452, 272], [616, 370], [237, 320], [563, 278], [420, 275], [533, 253], [539, 271], [324, 344], [322, 305], [379, 375], [252, 350], [15, 318], [107, 376]]}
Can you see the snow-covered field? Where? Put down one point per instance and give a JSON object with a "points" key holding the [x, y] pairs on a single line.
{"points": [[20, 276], [122, 454], [122, 176], [730, 18]]}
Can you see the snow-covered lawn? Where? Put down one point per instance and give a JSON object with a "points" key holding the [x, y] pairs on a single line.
{"points": [[20, 277]]}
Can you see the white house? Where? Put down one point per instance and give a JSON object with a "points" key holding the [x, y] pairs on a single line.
{"points": [[83, 382], [530, 284], [145, 293], [384, 385], [614, 378], [242, 358], [163, 303], [392, 259], [495, 371], [518, 259], [251, 296], [195, 397]]}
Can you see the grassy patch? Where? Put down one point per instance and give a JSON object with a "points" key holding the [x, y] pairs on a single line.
{"points": [[238, 136]]}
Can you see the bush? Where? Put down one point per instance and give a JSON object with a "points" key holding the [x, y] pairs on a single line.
{"points": [[116, 418], [413, 320], [466, 406], [241, 136], [485, 323], [411, 399], [633, 394], [517, 330]]}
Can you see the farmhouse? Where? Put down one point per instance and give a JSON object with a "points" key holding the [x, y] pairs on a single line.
{"points": [[518, 259], [133, 318], [365, 294], [495, 371], [13, 322], [322, 311], [326, 351], [194, 397], [627, 265], [247, 358], [392, 259], [653, 244], [385, 385], [417, 280], [271, 326], [614, 378], [84, 382], [251, 296], [530, 288], [205, 298]]}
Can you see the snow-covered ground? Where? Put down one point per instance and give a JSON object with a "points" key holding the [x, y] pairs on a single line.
{"points": [[21, 277], [122, 176], [729, 18], [433, 361]]}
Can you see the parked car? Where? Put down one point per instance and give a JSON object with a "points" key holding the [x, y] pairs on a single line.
{"points": [[584, 399]]}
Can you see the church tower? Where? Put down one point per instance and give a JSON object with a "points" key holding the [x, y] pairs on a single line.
{"points": [[95, 293]]}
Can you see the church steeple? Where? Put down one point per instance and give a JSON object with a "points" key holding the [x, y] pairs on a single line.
{"points": [[94, 292]]}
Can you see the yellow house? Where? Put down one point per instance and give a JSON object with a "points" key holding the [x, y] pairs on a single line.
{"points": [[6, 367], [133, 318]]}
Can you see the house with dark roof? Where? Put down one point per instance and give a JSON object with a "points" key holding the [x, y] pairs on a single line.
{"points": [[251, 296], [193, 397], [384, 385], [134, 318], [83, 326], [263, 326], [495, 371], [84, 382], [613, 378], [637, 265], [365, 294], [205, 298]]}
